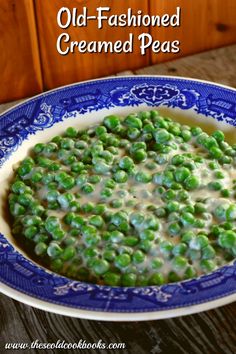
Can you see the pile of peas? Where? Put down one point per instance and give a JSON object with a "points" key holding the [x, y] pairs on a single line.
{"points": [[134, 201]]}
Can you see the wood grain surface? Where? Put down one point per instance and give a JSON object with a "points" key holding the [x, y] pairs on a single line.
{"points": [[210, 332], [205, 24], [215, 65], [19, 59], [29, 60], [59, 70]]}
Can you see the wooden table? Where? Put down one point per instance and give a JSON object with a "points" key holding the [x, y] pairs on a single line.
{"points": [[208, 332]]}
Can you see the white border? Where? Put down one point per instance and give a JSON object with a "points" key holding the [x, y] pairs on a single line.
{"points": [[114, 316]]}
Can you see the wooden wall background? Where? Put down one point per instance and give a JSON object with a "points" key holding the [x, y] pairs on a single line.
{"points": [[29, 62], [20, 69]]}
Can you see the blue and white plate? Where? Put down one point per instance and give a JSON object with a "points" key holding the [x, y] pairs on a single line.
{"points": [[81, 105]]}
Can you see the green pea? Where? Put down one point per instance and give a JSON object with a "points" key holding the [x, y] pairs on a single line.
{"points": [[38, 148], [207, 265], [156, 279], [54, 250], [231, 213], [126, 163], [157, 263], [119, 218], [173, 206], [189, 208], [215, 152], [41, 238], [227, 239], [220, 211], [112, 279], [106, 193], [199, 208], [161, 136], [157, 178], [218, 135], [161, 159], [186, 135], [173, 217], [117, 203], [187, 219], [25, 199], [166, 247], [174, 229], [138, 257], [40, 248], [88, 207], [109, 255], [101, 167], [71, 132], [77, 167], [99, 209], [57, 265], [116, 236], [136, 219], [58, 234], [219, 174], [18, 187], [68, 183], [160, 212], [24, 169], [182, 196], [173, 277], [177, 159], [74, 206], [100, 266], [181, 173], [88, 230], [123, 260], [170, 194], [179, 262], [225, 193], [128, 279], [131, 241], [168, 179], [101, 129], [133, 121], [142, 280], [97, 221], [120, 176], [208, 252], [187, 236], [68, 253], [179, 249], [30, 220], [30, 232], [190, 272], [36, 177], [140, 155], [215, 185], [199, 242], [191, 183]]}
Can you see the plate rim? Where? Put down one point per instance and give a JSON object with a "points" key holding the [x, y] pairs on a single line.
{"points": [[28, 100], [114, 316]]}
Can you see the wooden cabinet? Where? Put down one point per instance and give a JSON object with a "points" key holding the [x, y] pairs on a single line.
{"points": [[59, 70], [20, 68], [205, 24], [30, 63]]}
